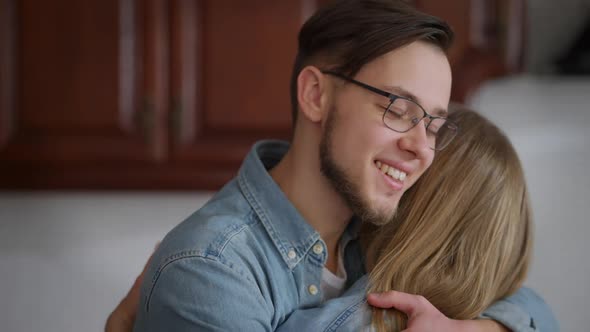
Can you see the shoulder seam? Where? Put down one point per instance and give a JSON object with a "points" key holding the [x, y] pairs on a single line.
{"points": [[343, 316], [187, 255], [217, 247]]}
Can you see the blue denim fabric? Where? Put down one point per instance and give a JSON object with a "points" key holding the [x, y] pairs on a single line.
{"points": [[243, 262], [524, 311], [514, 312]]}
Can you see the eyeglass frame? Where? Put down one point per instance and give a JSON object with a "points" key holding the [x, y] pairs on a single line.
{"points": [[392, 98]]}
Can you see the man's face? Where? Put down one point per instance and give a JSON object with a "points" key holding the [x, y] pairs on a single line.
{"points": [[355, 142]]}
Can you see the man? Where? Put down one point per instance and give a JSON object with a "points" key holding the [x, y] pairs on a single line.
{"points": [[282, 235]]}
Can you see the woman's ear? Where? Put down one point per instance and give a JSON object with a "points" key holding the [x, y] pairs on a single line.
{"points": [[312, 94]]}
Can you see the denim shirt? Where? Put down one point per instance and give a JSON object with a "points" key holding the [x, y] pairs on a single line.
{"points": [[245, 261]]}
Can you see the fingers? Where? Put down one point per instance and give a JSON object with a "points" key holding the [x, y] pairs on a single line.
{"points": [[410, 304]]}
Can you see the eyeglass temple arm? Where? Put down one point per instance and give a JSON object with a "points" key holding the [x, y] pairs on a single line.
{"points": [[392, 97]]}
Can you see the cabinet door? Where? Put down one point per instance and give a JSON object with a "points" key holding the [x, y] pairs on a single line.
{"points": [[231, 66], [171, 94], [82, 91], [489, 40]]}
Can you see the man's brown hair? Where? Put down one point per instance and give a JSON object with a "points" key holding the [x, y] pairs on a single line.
{"points": [[347, 34]]}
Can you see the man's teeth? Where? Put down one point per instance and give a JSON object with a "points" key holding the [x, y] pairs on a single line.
{"points": [[391, 171]]}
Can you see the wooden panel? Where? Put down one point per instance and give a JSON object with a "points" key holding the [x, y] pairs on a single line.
{"points": [[489, 39], [7, 63], [246, 79], [87, 95], [76, 84], [171, 94], [231, 65]]}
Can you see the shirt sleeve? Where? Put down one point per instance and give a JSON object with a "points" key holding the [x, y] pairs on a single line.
{"points": [[201, 294], [524, 311]]}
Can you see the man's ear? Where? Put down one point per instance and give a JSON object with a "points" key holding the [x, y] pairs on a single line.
{"points": [[312, 93]]}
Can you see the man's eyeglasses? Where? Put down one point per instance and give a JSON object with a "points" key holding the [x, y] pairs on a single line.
{"points": [[403, 114]]}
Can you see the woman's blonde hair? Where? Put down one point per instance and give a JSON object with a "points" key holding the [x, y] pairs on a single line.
{"points": [[462, 235]]}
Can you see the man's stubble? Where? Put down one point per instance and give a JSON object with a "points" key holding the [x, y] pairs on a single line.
{"points": [[343, 183]]}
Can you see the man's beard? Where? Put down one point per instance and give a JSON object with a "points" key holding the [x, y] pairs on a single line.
{"points": [[342, 183]]}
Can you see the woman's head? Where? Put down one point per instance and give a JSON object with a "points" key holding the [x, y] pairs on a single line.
{"points": [[462, 234]]}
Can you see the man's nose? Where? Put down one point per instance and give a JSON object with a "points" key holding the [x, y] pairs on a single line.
{"points": [[415, 140]]}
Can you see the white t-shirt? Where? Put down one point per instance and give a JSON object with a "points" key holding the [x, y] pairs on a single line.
{"points": [[333, 284]]}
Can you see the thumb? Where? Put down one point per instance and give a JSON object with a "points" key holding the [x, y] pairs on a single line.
{"points": [[407, 303]]}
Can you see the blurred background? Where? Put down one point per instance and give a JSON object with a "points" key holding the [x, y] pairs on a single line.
{"points": [[120, 118]]}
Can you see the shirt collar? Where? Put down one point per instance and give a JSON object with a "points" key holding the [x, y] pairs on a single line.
{"points": [[288, 230], [286, 227]]}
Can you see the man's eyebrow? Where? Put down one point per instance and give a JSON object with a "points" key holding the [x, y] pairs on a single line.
{"points": [[398, 90]]}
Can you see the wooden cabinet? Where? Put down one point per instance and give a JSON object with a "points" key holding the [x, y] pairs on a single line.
{"points": [[141, 94], [231, 65], [81, 73], [147, 94]]}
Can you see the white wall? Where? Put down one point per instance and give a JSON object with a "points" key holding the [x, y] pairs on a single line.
{"points": [[547, 119], [67, 259]]}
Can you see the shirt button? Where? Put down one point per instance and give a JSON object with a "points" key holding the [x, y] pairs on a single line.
{"points": [[291, 254], [318, 248], [313, 289]]}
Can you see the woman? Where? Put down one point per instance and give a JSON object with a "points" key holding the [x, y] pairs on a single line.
{"points": [[462, 234], [461, 237]]}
